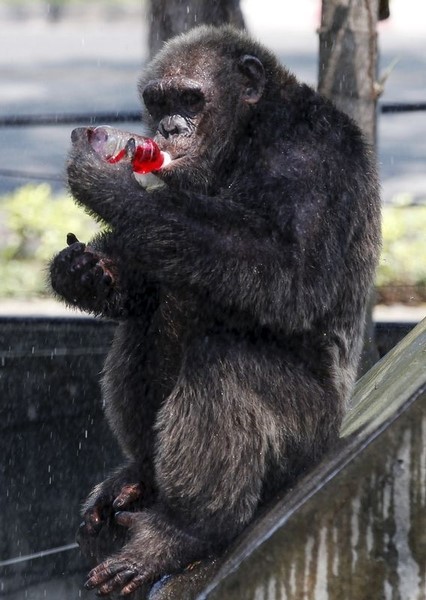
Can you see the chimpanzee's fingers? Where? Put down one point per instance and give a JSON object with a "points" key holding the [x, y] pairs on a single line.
{"points": [[130, 148], [124, 518], [71, 239], [129, 493]]}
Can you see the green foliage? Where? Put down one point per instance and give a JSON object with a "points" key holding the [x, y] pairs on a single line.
{"points": [[34, 224], [403, 259], [34, 228]]}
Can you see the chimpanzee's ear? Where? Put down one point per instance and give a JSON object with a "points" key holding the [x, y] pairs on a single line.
{"points": [[254, 74]]}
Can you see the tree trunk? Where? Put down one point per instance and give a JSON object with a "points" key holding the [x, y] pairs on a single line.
{"points": [[348, 59], [347, 75], [170, 17]]}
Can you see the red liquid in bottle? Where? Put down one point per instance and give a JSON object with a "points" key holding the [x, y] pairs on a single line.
{"points": [[148, 157], [111, 144]]}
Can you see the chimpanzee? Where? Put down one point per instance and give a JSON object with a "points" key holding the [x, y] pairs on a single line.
{"points": [[240, 288]]}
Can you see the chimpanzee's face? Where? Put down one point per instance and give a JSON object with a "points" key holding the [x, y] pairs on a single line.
{"points": [[196, 112]]}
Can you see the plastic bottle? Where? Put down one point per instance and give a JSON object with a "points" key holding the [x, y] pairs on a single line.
{"points": [[111, 144]]}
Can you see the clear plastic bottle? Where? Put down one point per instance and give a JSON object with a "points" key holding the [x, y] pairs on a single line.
{"points": [[111, 144]]}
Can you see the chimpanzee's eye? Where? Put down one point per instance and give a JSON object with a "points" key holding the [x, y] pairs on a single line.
{"points": [[157, 107], [192, 100], [156, 102]]}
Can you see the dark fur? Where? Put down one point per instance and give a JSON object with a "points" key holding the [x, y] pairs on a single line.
{"points": [[240, 287]]}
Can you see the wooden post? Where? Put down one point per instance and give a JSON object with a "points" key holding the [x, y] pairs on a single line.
{"points": [[348, 59], [170, 17]]}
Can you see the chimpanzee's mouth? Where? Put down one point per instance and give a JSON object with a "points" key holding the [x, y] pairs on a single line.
{"points": [[172, 161]]}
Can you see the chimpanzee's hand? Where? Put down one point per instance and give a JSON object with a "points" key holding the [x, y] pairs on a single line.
{"points": [[99, 534], [83, 277], [106, 499], [100, 186]]}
